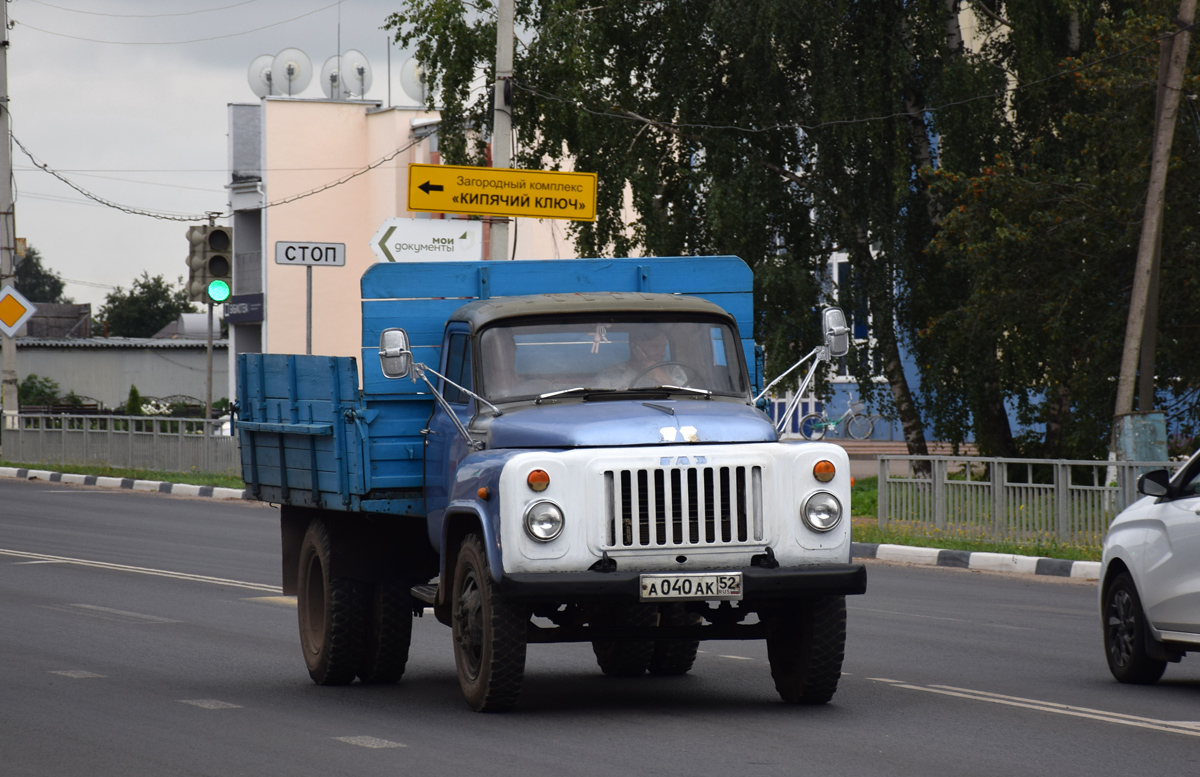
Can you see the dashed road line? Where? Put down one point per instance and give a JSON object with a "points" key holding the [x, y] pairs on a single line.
{"points": [[371, 742], [75, 674], [144, 571], [736, 658], [940, 618], [211, 704], [108, 613]]}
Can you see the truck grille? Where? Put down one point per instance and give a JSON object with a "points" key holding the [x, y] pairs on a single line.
{"points": [[679, 507]]}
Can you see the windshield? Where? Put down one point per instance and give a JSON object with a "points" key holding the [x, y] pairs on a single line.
{"points": [[529, 360]]}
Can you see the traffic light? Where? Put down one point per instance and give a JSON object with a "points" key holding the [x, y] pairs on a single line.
{"points": [[210, 263]]}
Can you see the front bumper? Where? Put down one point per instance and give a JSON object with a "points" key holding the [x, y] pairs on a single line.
{"points": [[622, 586]]}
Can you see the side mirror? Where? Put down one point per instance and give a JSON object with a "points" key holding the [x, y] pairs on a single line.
{"points": [[837, 334], [1153, 483], [395, 358]]}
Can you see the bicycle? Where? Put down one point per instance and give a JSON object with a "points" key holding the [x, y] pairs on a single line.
{"points": [[859, 425]]}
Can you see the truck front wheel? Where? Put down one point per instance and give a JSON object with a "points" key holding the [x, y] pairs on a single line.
{"points": [[332, 613], [805, 647], [489, 634]]}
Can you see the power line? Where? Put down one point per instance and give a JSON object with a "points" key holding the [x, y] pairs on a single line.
{"points": [[172, 42], [141, 15], [629, 116]]}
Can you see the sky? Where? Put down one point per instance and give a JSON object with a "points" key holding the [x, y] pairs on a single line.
{"points": [[138, 117]]}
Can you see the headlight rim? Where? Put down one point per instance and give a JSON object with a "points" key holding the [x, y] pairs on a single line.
{"points": [[562, 520], [810, 523]]}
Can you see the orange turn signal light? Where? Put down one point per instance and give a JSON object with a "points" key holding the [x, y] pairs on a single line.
{"points": [[484, 493], [824, 471], [538, 480]]}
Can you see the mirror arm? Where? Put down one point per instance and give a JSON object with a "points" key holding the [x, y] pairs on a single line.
{"points": [[791, 408], [419, 371], [789, 371], [495, 410]]}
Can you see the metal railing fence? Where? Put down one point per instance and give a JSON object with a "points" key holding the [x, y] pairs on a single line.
{"points": [[134, 442], [1010, 500]]}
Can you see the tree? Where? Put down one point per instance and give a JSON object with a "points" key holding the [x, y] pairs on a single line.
{"points": [[37, 283], [36, 390], [1044, 241], [148, 306], [782, 132]]}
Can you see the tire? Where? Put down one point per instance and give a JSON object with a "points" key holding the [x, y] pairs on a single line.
{"points": [[805, 649], [489, 634], [674, 656], [1125, 635], [625, 658], [859, 426], [389, 634], [812, 427], [332, 613]]}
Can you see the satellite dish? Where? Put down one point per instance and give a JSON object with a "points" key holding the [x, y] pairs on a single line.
{"points": [[356, 73], [412, 81], [331, 79], [259, 75], [291, 72]]}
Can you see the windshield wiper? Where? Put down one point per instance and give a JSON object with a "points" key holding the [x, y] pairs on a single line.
{"points": [[562, 392], [705, 392]]}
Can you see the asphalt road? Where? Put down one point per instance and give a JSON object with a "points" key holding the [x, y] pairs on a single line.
{"points": [[169, 652]]}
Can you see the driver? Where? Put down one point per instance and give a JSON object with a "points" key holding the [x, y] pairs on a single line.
{"points": [[647, 364]]}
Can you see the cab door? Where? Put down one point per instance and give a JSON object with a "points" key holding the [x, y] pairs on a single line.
{"points": [[445, 447], [1171, 576]]}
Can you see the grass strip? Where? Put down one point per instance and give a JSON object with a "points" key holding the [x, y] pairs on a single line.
{"points": [[191, 477], [864, 506]]}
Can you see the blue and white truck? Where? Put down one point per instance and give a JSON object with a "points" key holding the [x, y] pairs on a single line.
{"points": [[551, 451]]}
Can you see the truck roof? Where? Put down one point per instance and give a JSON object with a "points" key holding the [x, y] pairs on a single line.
{"points": [[483, 312]]}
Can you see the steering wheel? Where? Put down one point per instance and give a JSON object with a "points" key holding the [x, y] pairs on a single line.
{"points": [[690, 372]]}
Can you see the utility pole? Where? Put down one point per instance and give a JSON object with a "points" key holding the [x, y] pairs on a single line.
{"points": [[8, 236], [1164, 134], [501, 117]]}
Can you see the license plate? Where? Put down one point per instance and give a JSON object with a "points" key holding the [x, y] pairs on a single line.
{"points": [[680, 586]]}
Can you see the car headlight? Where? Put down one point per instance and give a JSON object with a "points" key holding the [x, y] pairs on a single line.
{"points": [[822, 511], [543, 521]]}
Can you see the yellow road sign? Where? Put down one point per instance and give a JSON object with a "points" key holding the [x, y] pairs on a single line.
{"points": [[500, 191], [15, 310]]}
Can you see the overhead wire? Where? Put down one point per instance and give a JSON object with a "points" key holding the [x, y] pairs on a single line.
{"points": [[140, 15], [172, 42]]}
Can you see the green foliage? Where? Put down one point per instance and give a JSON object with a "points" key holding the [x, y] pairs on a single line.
{"points": [[1041, 246], [150, 304], [36, 391], [133, 405], [36, 282]]}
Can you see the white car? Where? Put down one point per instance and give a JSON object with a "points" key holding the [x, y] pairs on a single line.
{"points": [[1150, 577]]}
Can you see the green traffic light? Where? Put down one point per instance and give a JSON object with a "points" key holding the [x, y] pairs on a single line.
{"points": [[218, 291]]}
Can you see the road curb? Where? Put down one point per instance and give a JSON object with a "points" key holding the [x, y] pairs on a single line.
{"points": [[978, 560], [154, 486]]}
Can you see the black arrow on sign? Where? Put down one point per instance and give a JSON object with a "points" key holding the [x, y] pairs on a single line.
{"points": [[428, 187]]}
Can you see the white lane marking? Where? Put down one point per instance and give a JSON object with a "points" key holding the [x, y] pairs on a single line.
{"points": [[75, 674], [211, 704], [29, 563], [144, 571], [1056, 708], [939, 618], [736, 658], [885, 680], [107, 613], [371, 742]]}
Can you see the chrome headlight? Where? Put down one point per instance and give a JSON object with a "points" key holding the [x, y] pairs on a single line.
{"points": [[543, 521], [822, 511]]}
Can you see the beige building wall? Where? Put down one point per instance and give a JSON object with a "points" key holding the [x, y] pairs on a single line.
{"points": [[310, 144]]}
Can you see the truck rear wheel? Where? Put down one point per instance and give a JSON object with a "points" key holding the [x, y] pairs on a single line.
{"points": [[805, 648], [389, 634], [489, 634], [675, 656], [625, 658], [332, 613]]}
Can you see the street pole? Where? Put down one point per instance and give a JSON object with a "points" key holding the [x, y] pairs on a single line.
{"points": [[1152, 220], [501, 117], [8, 237], [207, 366]]}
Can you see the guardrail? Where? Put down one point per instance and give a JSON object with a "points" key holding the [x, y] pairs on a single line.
{"points": [[135, 442], [1015, 500]]}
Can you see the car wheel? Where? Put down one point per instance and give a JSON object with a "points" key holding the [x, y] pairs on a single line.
{"points": [[1125, 635]]}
